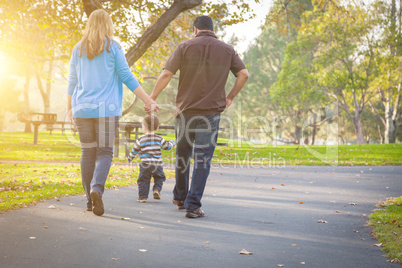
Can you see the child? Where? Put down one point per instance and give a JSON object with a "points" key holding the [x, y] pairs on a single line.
{"points": [[149, 146]]}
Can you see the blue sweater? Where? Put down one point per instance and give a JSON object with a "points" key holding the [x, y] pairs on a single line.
{"points": [[96, 85]]}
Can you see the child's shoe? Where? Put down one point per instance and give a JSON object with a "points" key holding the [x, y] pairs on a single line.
{"points": [[157, 194], [142, 200]]}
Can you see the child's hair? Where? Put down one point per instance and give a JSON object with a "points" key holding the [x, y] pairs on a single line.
{"points": [[151, 122]]}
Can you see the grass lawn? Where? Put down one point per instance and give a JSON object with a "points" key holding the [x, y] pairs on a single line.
{"points": [[387, 223], [22, 184], [56, 147]]}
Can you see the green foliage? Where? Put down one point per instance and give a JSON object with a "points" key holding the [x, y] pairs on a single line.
{"points": [[387, 225]]}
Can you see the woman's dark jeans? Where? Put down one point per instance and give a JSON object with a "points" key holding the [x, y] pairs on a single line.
{"points": [[196, 137], [97, 139]]}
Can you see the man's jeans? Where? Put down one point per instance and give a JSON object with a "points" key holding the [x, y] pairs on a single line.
{"points": [[196, 137], [97, 138], [144, 179]]}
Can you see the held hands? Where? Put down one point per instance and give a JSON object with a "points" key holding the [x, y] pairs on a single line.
{"points": [[151, 106]]}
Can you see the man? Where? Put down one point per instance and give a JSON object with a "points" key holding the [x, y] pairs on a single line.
{"points": [[204, 63]]}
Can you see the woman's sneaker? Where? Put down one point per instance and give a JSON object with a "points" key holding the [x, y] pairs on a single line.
{"points": [[97, 203]]}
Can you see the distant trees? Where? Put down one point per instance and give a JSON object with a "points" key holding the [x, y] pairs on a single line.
{"points": [[349, 53]]}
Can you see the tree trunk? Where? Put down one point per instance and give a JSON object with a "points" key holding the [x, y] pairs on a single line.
{"points": [[389, 125], [298, 131], [358, 129], [314, 129], [128, 109], [45, 97], [27, 109], [380, 134]]}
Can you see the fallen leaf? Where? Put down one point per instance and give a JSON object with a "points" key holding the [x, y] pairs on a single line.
{"points": [[378, 245], [337, 211], [322, 221], [140, 227], [352, 204], [282, 184], [281, 265], [356, 231], [206, 242], [32, 237], [52, 207], [115, 259], [125, 219], [83, 229], [143, 250], [71, 204], [46, 227], [245, 252], [273, 188], [300, 202], [293, 245], [302, 262]]}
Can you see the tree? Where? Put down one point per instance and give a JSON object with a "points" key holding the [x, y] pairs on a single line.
{"points": [[344, 60], [389, 79], [265, 59], [36, 34]]}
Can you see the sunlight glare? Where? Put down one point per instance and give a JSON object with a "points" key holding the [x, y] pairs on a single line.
{"points": [[5, 64]]}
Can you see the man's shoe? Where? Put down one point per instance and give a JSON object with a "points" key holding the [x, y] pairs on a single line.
{"points": [[142, 200], [178, 203], [97, 204], [157, 194], [89, 208], [195, 213]]}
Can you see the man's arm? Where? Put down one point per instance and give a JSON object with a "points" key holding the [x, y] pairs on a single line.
{"points": [[241, 78], [161, 83]]}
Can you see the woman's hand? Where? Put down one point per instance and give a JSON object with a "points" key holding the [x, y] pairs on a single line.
{"points": [[70, 117]]}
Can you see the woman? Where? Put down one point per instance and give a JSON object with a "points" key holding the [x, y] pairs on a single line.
{"points": [[95, 90]]}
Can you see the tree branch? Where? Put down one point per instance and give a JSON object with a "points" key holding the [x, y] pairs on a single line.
{"points": [[155, 30], [377, 113]]}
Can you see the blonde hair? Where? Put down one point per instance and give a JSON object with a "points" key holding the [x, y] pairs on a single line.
{"points": [[98, 27]]}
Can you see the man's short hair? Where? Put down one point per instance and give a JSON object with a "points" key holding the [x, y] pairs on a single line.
{"points": [[203, 23], [151, 122]]}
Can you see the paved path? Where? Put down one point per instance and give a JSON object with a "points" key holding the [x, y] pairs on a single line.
{"points": [[243, 212]]}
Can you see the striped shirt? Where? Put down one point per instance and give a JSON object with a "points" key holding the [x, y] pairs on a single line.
{"points": [[149, 146]]}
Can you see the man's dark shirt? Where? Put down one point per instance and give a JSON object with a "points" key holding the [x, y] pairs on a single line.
{"points": [[204, 63]]}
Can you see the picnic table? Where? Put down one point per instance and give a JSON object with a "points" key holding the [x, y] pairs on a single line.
{"points": [[127, 129], [37, 119]]}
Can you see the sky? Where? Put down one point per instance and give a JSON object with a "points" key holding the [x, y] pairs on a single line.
{"points": [[249, 30]]}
